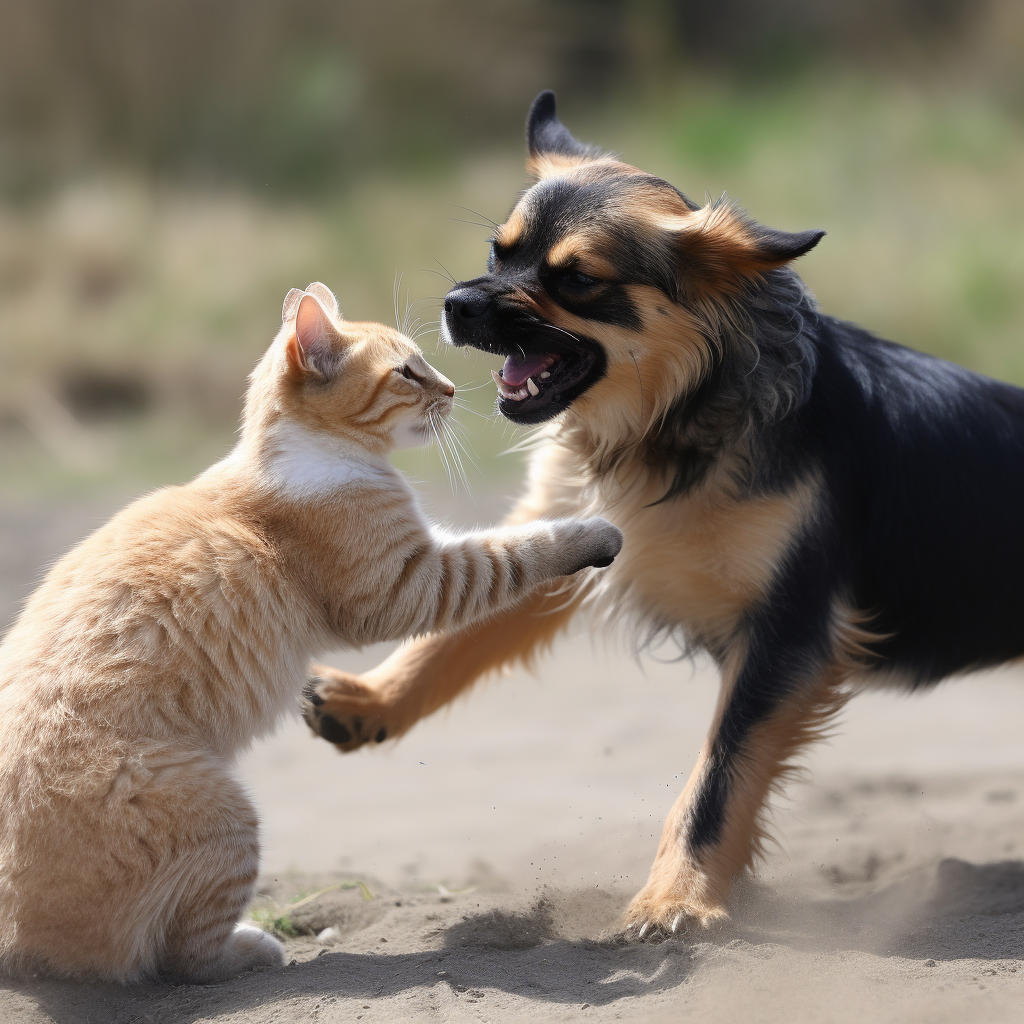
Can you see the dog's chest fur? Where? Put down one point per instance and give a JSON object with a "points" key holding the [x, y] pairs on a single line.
{"points": [[698, 561]]}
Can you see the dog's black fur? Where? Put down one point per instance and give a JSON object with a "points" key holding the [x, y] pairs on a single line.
{"points": [[920, 523]]}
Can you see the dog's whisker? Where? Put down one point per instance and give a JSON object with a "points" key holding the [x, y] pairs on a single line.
{"points": [[476, 213], [447, 274], [473, 223]]}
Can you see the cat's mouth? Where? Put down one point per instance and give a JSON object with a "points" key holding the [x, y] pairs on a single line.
{"points": [[534, 386]]}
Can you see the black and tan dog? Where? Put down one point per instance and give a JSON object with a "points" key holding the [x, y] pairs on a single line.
{"points": [[817, 508]]}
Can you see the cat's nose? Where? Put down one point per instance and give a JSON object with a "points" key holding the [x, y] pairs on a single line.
{"points": [[448, 389], [466, 303]]}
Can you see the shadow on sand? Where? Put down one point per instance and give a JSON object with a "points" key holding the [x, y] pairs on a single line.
{"points": [[944, 913]]}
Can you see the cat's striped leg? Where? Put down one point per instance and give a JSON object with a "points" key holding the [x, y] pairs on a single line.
{"points": [[215, 874], [425, 674]]}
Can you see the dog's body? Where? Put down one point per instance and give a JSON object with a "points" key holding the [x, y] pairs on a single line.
{"points": [[818, 509]]}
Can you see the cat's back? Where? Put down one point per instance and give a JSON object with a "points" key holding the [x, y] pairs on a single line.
{"points": [[159, 592]]}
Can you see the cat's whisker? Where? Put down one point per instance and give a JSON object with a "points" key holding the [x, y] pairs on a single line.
{"points": [[441, 449], [435, 425], [452, 428], [457, 461], [475, 412], [407, 327], [452, 443], [460, 428], [464, 439], [465, 404]]}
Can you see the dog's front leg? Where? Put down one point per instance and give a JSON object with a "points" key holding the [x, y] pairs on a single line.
{"points": [[771, 704]]}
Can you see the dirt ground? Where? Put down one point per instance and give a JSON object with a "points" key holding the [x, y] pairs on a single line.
{"points": [[475, 870]]}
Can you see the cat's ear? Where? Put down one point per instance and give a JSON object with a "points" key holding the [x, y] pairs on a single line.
{"points": [[291, 303], [327, 298], [310, 349]]}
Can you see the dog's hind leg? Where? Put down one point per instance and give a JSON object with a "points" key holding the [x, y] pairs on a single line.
{"points": [[775, 699]]}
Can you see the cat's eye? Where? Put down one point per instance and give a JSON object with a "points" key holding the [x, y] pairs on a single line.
{"points": [[406, 372]]}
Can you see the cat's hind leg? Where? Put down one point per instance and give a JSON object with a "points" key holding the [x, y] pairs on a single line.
{"points": [[215, 878], [247, 948]]}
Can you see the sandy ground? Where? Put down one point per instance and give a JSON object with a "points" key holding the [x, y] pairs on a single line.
{"points": [[500, 840]]}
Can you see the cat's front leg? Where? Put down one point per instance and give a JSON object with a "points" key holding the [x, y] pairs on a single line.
{"points": [[425, 674]]}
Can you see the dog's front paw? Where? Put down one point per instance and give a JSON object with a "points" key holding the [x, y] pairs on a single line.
{"points": [[343, 710], [660, 912]]}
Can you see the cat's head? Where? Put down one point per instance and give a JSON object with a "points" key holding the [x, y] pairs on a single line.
{"points": [[365, 383]]}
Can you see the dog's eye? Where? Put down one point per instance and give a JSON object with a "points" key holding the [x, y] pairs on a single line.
{"points": [[496, 255], [577, 279]]}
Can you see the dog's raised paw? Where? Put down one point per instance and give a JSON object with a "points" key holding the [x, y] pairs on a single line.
{"points": [[344, 712]]}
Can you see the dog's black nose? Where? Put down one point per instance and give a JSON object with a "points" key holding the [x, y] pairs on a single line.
{"points": [[466, 303]]}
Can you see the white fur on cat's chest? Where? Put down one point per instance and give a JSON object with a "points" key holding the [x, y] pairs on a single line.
{"points": [[306, 464]]}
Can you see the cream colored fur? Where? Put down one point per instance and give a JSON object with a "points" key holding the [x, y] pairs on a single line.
{"points": [[162, 645]]}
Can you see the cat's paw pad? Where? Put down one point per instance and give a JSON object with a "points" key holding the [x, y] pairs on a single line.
{"points": [[344, 712]]}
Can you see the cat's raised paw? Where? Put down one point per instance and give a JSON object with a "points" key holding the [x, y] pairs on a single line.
{"points": [[344, 711]]}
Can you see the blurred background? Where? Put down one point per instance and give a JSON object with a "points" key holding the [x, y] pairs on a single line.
{"points": [[169, 170]]}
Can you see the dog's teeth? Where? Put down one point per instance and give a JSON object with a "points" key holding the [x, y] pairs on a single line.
{"points": [[531, 387], [545, 375]]}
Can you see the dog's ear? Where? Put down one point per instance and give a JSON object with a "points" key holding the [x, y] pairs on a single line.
{"points": [[719, 248], [552, 147]]}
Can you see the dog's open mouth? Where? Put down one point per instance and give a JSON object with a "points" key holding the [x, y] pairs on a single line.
{"points": [[534, 386]]}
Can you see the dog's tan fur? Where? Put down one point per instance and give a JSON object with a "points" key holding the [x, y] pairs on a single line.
{"points": [[694, 566]]}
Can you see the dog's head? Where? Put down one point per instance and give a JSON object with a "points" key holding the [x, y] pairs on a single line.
{"points": [[604, 283]]}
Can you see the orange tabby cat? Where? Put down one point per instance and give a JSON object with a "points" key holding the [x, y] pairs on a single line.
{"points": [[164, 643]]}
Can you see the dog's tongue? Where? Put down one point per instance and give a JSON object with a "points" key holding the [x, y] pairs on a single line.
{"points": [[518, 368]]}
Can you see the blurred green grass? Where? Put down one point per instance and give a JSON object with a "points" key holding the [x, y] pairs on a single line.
{"points": [[131, 311]]}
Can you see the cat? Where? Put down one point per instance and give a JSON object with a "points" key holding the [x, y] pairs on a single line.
{"points": [[163, 644]]}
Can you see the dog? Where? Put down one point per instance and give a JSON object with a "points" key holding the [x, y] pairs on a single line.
{"points": [[818, 509]]}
